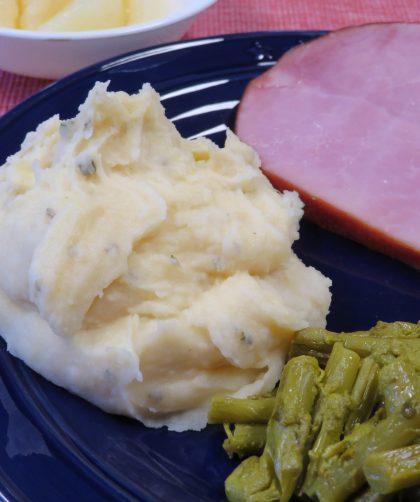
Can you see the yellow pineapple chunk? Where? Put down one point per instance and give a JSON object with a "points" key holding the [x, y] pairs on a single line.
{"points": [[80, 15], [36, 12], [141, 11], [9, 12]]}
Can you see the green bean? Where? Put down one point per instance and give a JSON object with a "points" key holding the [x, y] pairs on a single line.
{"points": [[252, 481], [342, 466], [245, 439], [364, 394], [412, 357], [297, 350], [331, 435], [277, 471], [385, 348], [366, 345], [390, 471], [312, 340], [333, 408], [399, 385], [225, 409], [288, 431], [396, 329]]}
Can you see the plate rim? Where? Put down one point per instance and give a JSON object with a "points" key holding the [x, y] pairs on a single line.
{"points": [[57, 85], [63, 84]]}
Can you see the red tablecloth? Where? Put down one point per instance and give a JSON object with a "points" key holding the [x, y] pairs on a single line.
{"points": [[232, 16]]}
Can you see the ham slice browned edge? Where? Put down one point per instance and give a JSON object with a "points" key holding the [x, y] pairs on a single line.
{"points": [[311, 115]]}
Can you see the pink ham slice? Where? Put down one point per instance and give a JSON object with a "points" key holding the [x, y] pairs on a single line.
{"points": [[338, 120]]}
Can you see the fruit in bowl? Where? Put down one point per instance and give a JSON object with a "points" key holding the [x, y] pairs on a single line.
{"points": [[79, 15], [52, 38]]}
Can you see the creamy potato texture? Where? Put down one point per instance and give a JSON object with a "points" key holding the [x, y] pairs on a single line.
{"points": [[147, 272]]}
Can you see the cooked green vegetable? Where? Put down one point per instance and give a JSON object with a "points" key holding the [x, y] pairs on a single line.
{"points": [[332, 409], [399, 386], [370, 496], [245, 439], [390, 471], [326, 433], [277, 471], [252, 481], [386, 339], [385, 349], [288, 431], [364, 394], [396, 329], [311, 342], [225, 409], [341, 469]]}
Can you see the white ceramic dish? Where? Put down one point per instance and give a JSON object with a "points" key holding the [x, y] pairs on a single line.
{"points": [[56, 54]]}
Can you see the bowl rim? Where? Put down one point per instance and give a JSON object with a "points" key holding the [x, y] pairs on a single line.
{"points": [[191, 9]]}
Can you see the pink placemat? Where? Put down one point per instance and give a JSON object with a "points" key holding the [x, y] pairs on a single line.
{"points": [[233, 16]]}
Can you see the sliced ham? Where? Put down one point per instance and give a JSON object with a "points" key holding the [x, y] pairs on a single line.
{"points": [[338, 120]]}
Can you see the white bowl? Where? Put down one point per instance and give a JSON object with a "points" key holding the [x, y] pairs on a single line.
{"points": [[56, 54]]}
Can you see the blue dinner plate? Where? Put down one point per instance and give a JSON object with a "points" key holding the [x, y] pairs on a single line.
{"points": [[57, 447]]}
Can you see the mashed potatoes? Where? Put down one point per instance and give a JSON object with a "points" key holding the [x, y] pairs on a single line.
{"points": [[146, 272]]}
